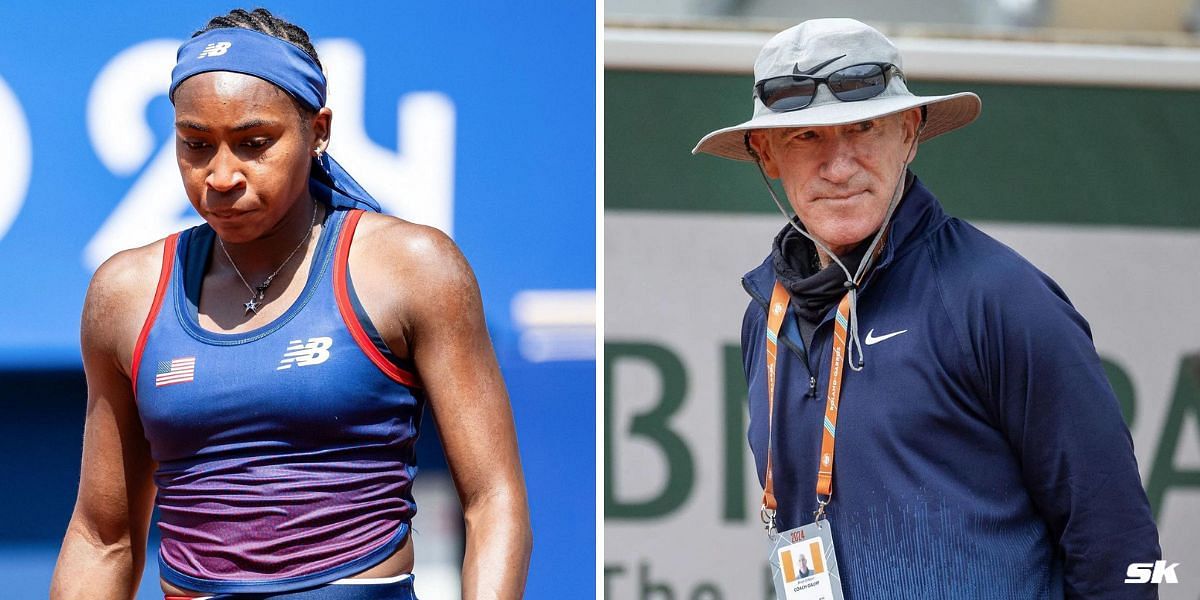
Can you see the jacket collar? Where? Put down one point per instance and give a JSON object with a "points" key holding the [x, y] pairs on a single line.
{"points": [[918, 215]]}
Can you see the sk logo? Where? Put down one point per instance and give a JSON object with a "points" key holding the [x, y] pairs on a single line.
{"points": [[314, 352], [215, 49], [1159, 571]]}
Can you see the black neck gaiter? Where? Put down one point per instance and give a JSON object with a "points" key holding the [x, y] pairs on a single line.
{"points": [[813, 290]]}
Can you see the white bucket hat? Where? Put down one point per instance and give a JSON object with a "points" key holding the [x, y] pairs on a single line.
{"points": [[830, 45]]}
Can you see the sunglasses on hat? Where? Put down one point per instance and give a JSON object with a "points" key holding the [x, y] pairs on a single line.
{"points": [[855, 82]]}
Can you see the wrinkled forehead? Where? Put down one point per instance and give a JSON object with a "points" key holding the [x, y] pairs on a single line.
{"points": [[822, 46]]}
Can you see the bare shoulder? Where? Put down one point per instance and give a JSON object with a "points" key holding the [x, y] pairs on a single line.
{"points": [[409, 278], [121, 276], [410, 250], [119, 298]]}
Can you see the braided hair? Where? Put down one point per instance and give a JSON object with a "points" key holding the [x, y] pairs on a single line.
{"points": [[262, 21]]}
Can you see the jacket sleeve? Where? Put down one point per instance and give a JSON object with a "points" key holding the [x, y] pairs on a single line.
{"points": [[753, 328], [1043, 379]]}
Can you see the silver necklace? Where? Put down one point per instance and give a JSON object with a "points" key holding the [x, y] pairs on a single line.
{"points": [[257, 293]]}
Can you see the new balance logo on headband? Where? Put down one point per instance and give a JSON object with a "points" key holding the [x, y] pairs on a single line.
{"points": [[215, 49]]}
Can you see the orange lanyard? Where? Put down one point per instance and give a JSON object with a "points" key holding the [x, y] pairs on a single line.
{"points": [[778, 309]]}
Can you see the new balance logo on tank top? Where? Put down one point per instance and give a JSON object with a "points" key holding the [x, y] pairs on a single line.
{"points": [[285, 453]]}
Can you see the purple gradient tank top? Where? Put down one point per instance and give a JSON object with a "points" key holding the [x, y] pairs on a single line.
{"points": [[285, 454]]}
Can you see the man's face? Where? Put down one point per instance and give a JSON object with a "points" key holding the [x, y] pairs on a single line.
{"points": [[839, 179]]}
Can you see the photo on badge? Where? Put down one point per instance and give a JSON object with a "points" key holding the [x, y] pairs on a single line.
{"points": [[804, 565]]}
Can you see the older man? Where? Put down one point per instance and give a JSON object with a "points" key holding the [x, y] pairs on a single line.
{"points": [[972, 422]]}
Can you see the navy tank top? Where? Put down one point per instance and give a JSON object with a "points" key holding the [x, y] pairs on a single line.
{"points": [[285, 454]]}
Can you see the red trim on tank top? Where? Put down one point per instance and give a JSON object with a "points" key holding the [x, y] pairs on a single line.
{"points": [[164, 279], [341, 263]]}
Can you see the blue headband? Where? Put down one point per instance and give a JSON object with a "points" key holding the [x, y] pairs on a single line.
{"points": [[286, 66]]}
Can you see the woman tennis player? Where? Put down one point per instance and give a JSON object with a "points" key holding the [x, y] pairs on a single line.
{"points": [[260, 379]]}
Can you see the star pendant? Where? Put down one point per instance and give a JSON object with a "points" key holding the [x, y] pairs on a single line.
{"points": [[251, 306]]}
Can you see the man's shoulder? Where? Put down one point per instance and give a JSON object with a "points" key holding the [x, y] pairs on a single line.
{"points": [[979, 275], [966, 258], [759, 282]]}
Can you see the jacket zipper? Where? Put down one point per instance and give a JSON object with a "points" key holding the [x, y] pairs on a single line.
{"points": [[763, 302]]}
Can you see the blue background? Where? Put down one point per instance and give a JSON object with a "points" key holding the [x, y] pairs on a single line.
{"points": [[522, 80]]}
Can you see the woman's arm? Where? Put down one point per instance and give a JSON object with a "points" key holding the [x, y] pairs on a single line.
{"points": [[104, 548], [443, 330]]}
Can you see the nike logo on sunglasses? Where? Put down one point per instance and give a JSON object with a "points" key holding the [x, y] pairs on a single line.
{"points": [[796, 69]]}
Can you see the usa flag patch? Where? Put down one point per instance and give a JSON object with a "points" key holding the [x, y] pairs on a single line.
{"points": [[179, 370]]}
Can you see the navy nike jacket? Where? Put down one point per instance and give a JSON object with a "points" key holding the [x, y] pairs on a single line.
{"points": [[981, 453]]}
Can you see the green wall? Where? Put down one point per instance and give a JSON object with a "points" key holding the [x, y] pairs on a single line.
{"points": [[1055, 154]]}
